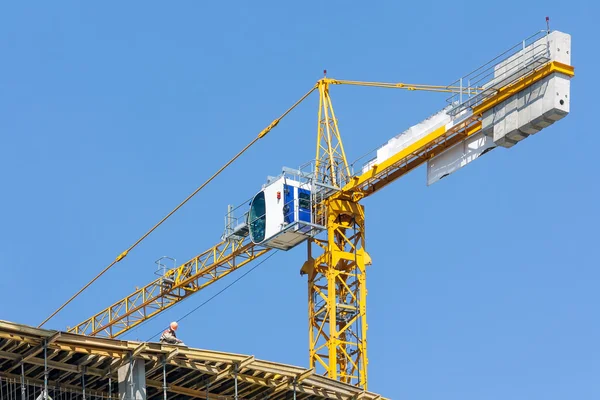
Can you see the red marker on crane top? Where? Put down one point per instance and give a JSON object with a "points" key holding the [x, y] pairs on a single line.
{"points": [[548, 24], [325, 72]]}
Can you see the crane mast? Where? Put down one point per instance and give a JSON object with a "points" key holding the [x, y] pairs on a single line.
{"points": [[336, 264], [337, 277]]}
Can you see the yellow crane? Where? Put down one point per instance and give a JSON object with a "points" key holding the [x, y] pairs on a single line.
{"points": [[336, 264]]}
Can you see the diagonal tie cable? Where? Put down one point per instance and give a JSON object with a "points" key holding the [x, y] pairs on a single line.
{"points": [[126, 252]]}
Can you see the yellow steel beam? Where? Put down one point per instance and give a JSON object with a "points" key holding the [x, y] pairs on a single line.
{"points": [[35, 350], [408, 159], [51, 363], [231, 369], [178, 283], [406, 86], [194, 393], [522, 83], [306, 374]]}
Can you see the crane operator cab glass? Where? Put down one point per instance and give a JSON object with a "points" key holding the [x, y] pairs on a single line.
{"points": [[257, 218], [280, 214]]}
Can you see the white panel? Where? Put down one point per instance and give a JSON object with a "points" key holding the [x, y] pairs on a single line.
{"points": [[556, 99], [555, 88], [560, 47], [457, 157], [410, 136], [500, 128], [538, 119], [274, 208], [524, 108], [531, 110], [535, 107], [511, 120], [487, 122], [275, 215]]}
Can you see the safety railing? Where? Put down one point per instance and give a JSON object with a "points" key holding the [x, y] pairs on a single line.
{"points": [[163, 265], [236, 221], [505, 68], [320, 190]]}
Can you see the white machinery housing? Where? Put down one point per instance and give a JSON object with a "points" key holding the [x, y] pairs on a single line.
{"points": [[281, 215]]}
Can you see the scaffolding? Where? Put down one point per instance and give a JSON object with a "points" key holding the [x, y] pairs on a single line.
{"points": [[21, 388], [39, 364]]}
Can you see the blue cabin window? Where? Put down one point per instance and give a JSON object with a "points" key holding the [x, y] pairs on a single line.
{"points": [[288, 204], [304, 205], [257, 218]]}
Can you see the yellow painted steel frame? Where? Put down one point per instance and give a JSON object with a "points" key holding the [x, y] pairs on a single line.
{"points": [[331, 165], [177, 284], [337, 296]]}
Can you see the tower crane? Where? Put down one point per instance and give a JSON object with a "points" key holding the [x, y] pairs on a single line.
{"points": [[517, 94]]}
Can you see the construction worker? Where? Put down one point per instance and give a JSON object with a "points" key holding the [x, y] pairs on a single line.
{"points": [[169, 335]]}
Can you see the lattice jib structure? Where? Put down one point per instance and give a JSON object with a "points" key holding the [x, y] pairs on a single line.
{"points": [[168, 290]]}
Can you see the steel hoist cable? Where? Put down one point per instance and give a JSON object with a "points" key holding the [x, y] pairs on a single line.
{"points": [[124, 254]]}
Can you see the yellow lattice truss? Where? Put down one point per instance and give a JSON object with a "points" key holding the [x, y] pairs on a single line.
{"points": [[178, 283], [337, 296], [331, 165]]}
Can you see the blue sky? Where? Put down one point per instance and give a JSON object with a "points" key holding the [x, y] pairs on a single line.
{"points": [[483, 286]]}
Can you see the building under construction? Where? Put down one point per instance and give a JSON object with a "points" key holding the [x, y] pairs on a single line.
{"points": [[73, 367], [517, 94]]}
